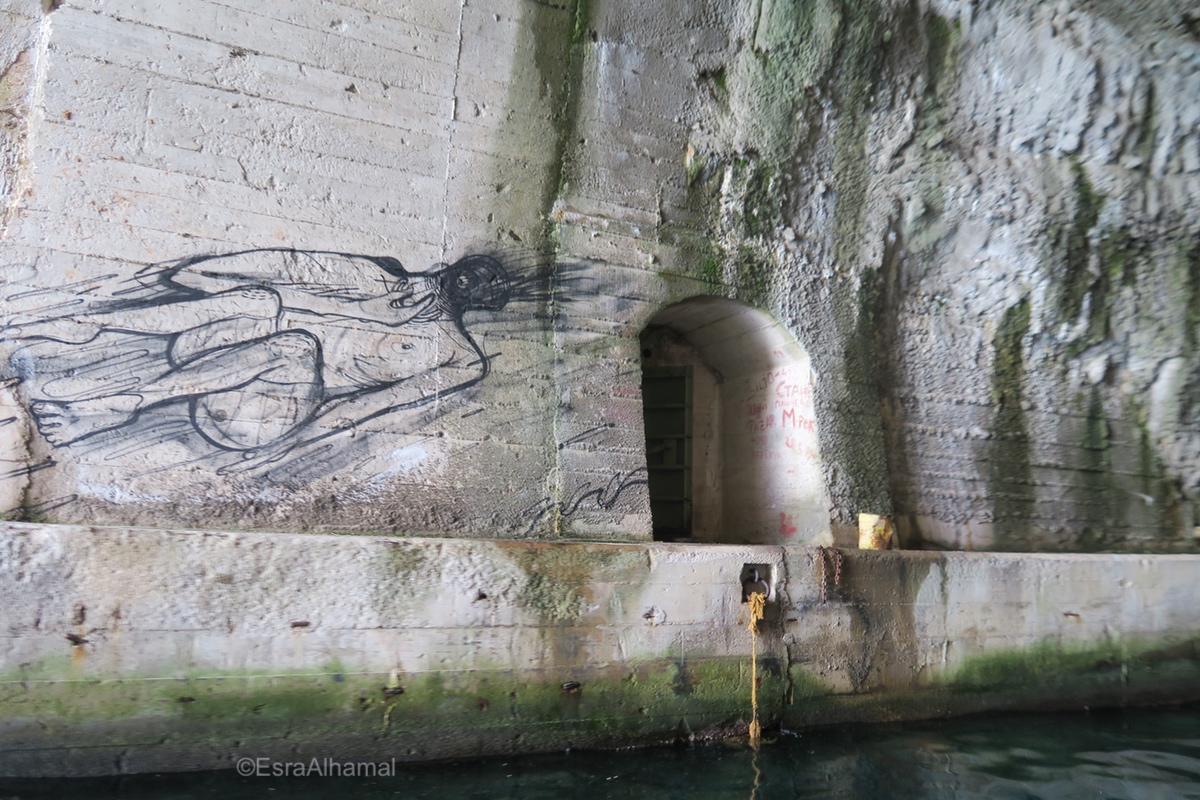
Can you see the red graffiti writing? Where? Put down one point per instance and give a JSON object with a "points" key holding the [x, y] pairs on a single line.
{"points": [[788, 418]]}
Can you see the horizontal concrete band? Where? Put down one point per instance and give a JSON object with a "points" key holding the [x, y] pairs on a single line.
{"points": [[130, 650]]}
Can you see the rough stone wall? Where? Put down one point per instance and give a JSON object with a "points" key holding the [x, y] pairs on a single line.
{"points": [[982, 222], [1037, 326]]}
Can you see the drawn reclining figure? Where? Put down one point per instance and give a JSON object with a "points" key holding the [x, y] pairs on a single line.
{"points": [[262, 344]]}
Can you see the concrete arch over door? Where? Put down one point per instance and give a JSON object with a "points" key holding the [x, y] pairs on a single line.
{"points": [[754, 464]]}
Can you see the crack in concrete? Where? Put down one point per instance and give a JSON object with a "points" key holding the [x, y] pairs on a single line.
{"points": [[462, 7]]}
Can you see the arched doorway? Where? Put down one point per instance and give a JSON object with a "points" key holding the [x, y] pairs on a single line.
{"points": [[731, 439]]}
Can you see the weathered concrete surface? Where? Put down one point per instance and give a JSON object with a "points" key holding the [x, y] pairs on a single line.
{"points": [[144, 134], [130, 650], [980, 224], [19, 53]]}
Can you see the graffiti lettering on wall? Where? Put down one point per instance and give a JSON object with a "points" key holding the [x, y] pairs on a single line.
{"points": [[586, 497], [777, 409], [257, 357]]}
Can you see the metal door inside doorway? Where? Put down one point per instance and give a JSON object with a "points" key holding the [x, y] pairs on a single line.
{"points": [[667, 403]]}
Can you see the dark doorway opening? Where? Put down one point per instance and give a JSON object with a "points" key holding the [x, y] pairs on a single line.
{"points": [[667, 403], [731, 442]]}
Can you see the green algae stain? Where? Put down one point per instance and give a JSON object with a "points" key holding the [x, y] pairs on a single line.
{"points": [[267, 702], [941, 53], [1095, 470], [402, 576], [1191, 275], [560, 581], [613, 701], [537, 136], [1051, 665], [717, 82], [553, 599], [580, 20], [711, 270], [761, 201], [1010, 477], [1147, 127], [754, 271], [1008, 364], [942, 45], [861, 63], [1164, 509], [1078, 280], [794, 43], [249, 697], [804, 687], [1035, 666], [1119, 254], [795, 46], [607, 704]]}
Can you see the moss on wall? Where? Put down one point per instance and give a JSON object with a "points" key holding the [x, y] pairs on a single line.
{"points": [[755, 274], [941, 51], [1101, 498], [1054, 666], [1078, 280], [559, 581], [1010, 475], [1120, 253], [406, 716], [400, 576], [16, 79], [943, 40], [553, 35], [1050, 674], [796, 109], [860, 64], [794, 48], [1190, 268]]}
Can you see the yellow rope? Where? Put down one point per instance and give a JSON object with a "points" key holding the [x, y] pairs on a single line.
{"points": [[757, 602]]}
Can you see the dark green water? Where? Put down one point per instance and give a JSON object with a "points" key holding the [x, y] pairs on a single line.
{"points": [[1137, 754]]}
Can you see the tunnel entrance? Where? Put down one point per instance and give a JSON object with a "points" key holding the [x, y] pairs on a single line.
{"points": [[731, 442]]}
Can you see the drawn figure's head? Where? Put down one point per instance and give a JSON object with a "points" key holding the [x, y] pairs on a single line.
{"points": [[474, 283]]}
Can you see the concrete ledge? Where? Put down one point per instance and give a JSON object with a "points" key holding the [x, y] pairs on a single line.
{"points": [[128, 650]]}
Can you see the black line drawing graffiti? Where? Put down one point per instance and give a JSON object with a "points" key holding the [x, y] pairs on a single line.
{"points": [[261, 353], [602, 498]]}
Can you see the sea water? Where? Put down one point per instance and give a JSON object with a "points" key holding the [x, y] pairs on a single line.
{"points": [[1112, 754]]}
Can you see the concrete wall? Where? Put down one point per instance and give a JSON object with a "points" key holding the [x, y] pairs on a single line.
{"points": [[127, 650], [142, 135], [359, 268]]}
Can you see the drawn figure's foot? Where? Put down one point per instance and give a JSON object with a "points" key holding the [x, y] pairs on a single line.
{"points": [[62, 423]]}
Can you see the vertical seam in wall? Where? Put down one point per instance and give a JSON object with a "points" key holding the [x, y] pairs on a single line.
{"points": [[554, 481], [462, 7]]}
